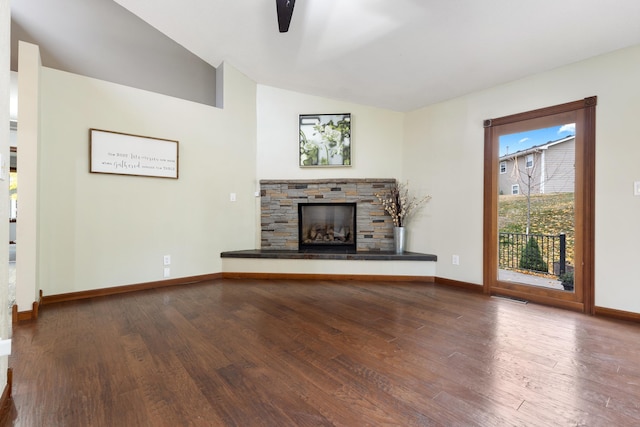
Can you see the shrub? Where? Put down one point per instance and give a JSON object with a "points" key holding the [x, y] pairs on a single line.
{"points": [[567, 281], [532, 258]]}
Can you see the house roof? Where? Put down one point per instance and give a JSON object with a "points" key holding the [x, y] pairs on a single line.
{"points": [[536, 148], [400, 55]]}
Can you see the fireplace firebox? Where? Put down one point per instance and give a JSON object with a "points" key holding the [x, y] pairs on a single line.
{"points": [[327, 227]]}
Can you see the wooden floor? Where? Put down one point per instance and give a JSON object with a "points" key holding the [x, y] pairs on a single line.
{"points": [[314, 353]]}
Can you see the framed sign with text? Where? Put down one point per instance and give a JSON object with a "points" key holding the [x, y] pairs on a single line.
{"points": [[125, 154]]}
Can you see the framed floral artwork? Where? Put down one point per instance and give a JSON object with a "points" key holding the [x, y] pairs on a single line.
{"points": [[325, 140]]}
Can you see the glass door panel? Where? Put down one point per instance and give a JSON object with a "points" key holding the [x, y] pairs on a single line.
{"points": [[536, 224]]}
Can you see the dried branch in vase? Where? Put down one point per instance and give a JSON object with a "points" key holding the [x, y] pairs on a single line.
{"points": [[399, 204]]}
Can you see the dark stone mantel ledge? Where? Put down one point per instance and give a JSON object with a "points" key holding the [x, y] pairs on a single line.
{"points": [[310, 254]]}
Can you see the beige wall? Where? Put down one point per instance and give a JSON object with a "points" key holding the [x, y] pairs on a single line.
{"points": [[447, 138], [559, 169], [98, 230]]}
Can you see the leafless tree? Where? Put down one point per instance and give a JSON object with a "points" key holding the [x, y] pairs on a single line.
{"points": [[529, 174]]}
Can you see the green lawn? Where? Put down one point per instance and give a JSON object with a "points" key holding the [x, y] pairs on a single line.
{"points": [[551, 214]]}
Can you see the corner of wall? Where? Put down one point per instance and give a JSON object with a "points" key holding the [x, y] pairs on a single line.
{"points": [[29, 67], [234, 89], [5, 79], [220, 86]]}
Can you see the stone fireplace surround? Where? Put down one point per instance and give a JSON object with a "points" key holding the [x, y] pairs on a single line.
{"points": [[279, 210], [279, 234]]}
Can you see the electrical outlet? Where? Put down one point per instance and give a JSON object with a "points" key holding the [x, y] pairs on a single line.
{"points": [[455, 259], [167, 272], [166, 260], [636, 188], [232, 197]]}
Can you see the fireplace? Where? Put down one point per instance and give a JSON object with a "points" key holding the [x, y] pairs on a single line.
{"points": [[279, 200], [327, 227]]}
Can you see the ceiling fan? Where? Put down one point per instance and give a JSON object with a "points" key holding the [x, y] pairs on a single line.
{"points": [[285, 11]]}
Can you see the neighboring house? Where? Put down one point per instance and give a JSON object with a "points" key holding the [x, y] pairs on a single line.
{"points": [[543, 169]]}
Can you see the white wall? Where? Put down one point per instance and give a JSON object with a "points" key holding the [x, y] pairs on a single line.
{"points": [[444, 147], [100, 230], [326, 266], [5, 320], [27, 164], [377, 137]]}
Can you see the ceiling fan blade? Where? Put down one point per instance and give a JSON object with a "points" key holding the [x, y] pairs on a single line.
{"points": [[285, 11]]}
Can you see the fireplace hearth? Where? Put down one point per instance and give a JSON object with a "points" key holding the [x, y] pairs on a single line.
{"points": [[327, 227]]}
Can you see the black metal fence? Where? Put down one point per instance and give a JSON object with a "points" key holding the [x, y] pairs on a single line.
{"points": [[516, 250]]}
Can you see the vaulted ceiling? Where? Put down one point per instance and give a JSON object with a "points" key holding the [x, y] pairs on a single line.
{"points": [[400, 54]]}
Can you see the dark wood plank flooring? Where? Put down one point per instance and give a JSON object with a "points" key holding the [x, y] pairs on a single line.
{"points": [[316, 353]]}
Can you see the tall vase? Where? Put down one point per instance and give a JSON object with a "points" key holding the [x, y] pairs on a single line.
{"points": [[399, 240]]}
